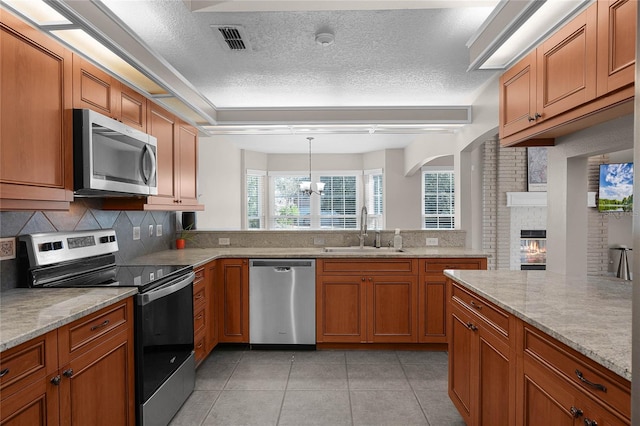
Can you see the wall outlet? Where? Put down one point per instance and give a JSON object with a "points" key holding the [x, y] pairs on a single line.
{"points": [[224, 241], [136, 232], [432, 241], [151, 230], [318, 241], [7, 248], [158, 230]]}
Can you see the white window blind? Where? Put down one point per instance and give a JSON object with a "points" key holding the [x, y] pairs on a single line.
{"points": [[255, 199], [438, 197], [373, 197], [337, 208]]}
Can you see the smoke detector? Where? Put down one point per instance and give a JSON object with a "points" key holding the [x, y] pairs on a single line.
{"points": [[325, 39]]}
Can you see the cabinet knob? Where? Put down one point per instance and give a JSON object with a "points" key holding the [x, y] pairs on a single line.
{"points": [[56, 380], [362, 278], [472, 327], [575, 412], [475, 305], [68, 373], [589, 422]]}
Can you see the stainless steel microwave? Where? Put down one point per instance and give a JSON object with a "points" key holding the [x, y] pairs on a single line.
{"points": [[111, 158]]}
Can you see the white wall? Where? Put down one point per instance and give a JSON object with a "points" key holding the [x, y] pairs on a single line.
{"points": [[219, 184], [567, 190], [402, 193]]}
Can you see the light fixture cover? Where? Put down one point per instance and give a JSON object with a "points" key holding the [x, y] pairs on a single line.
{"points": [[325, 39]]}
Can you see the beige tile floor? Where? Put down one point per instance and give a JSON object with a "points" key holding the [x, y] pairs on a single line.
{"points": [[260, 387]]}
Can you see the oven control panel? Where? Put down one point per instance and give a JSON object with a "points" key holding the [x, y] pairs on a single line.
{"points": [[55, 247]]}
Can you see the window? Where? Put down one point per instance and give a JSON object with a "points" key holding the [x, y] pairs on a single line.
{"points": [[255, 199], [438, 198], [373, 197], [337, 208]]}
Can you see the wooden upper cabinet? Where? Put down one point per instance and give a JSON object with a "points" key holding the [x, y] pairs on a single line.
{"points": [[98, 91], [36, 99], [162, 125], [518, 96], [187, 159], [616, 44], [566, 66]]}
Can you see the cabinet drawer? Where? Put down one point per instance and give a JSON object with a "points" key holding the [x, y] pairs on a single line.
{"points": [[439, 265], [79, 334], [199, 275], [199, 319], [359, 266], [200, 345], [603, 385], [199, 293], [27, 362], [482, 308]]}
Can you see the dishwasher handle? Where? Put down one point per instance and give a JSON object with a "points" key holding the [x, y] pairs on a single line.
{"points": [[281, 264]]}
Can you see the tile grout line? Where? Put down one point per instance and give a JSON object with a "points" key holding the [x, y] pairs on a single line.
{"points": [[221, 390], [402, 365], [286, 386], [346, 366]]}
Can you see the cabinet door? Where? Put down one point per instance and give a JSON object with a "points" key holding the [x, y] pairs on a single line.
{"points": [[494, 379], [187, 160], [93, 88], [233, 308], [35, 404], [392, 309], [163, 126], [97, 387], [518, 96], [566, 66], [36, 148], [212, 298], [432, 309], [131, 107], [616, 44], [462, 364], [340, 304]]}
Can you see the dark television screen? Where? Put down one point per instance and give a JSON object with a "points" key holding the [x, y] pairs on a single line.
{"points": [[616, 187]]}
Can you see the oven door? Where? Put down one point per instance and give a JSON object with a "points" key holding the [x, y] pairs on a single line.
{"points": [[164, 334]]}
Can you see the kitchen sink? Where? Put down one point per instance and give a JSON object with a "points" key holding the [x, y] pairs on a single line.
{"points": [[366, 249]]}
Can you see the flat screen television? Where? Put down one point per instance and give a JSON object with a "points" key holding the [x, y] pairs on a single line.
{"points": [[616, 187]]}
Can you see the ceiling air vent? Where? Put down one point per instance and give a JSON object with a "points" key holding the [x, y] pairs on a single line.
{"points": [[232, 37]]}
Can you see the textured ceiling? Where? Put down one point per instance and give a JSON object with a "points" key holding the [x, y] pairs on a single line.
{"points": [[400, 57]]}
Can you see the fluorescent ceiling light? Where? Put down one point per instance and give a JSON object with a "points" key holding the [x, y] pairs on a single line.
{"points": [[38, 12], [333, 129], [539, 26]]}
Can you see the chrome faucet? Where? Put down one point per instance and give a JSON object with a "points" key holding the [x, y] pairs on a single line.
{"points": [[363, 225]]}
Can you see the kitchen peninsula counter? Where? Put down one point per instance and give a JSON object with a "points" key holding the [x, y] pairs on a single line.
{"points": [[201, 256], [591, 315], [26, 313]]}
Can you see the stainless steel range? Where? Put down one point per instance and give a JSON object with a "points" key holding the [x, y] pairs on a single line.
{"points": [[165, 365]]}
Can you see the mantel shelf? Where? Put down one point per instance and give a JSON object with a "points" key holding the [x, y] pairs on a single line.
{"points": [[526, 199]]}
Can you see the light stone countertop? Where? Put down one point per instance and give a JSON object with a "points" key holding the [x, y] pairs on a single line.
{"points": [[591, 315], [26, 313], [200, 256]]}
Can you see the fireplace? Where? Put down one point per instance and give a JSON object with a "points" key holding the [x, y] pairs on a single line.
{"points": [[533, 249]]}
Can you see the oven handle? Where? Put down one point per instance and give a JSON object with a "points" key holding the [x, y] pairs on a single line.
{"points": [[165, 290]]}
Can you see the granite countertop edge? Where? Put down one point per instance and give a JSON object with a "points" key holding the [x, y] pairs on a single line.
{"points": [[201, 256], [600, 353], [27, 313]]}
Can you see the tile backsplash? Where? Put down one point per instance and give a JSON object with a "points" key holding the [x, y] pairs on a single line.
{"points": [[85, 214]]}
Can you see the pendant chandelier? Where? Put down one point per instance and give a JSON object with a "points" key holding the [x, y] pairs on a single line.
{"points": [[308, 188]]}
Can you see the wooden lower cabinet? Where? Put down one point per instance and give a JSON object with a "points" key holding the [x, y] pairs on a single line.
{"points": [[232, 290], [75, 375], [482, 364], [432, 301], [205, 323], [364, 301], [503, 371]]}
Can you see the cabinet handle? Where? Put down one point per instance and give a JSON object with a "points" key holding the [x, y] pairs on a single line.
{"points": [[575, 412], [67, 373], [596, 386], [589, 422], [4, 372], [56, 380], [475, 305], [535, 117], [362, 278], [199, 317], [199, 345], [472, 327], [101, 325]]}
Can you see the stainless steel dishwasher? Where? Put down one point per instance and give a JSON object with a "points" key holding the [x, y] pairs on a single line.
{"points": [[282, 301]]}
